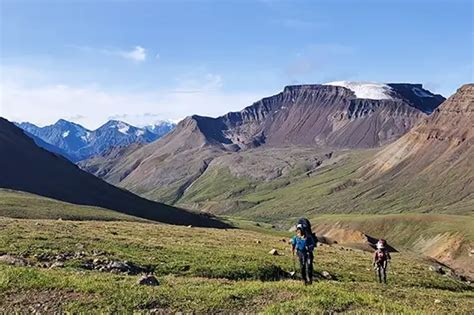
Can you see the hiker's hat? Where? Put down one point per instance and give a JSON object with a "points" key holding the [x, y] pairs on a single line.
{"points": [[380, 244]]}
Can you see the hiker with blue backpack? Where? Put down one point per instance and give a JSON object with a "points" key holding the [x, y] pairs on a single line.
{"points": [[303, 243]]}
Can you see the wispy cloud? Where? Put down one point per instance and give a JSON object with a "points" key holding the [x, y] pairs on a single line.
{"points": [[135, 54], [93, 105]]}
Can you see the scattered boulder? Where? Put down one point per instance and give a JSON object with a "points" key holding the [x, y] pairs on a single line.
{"points": [[57, 264], [437, 301], [96, 252], [189, 226], [89, 265], [437, 269], [148, 280], [274, 252], [12, 260], [283, 240], [113, 266], [43, 257], [258, 241], [326, 275]]}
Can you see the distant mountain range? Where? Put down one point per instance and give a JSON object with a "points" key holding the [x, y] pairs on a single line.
{"points": [[27, 167], [77, 143], [334, 116]]}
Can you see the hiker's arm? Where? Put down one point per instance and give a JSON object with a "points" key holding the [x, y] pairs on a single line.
{"points": [[293, 245], [375, 258]]}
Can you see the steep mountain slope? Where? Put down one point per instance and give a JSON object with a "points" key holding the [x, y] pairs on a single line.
{"points": [[318, 116], [79, 143], [427, 170], [67, 136], [27, 167]]}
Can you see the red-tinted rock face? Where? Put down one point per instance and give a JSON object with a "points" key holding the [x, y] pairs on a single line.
{"points": [[321, 115]]}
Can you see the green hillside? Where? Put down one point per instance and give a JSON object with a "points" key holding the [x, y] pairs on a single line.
{"points": [[204, 270], [17, 204], [334, 187]]}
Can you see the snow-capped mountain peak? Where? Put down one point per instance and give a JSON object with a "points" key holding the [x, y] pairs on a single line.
{"points": [[80, 143], [368, 90]]}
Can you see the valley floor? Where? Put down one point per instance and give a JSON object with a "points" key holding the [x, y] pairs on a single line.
{"points": [[202, 270]]}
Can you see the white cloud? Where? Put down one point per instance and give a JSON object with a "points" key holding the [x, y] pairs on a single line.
{"points": [[46, 103], [137, 54]]}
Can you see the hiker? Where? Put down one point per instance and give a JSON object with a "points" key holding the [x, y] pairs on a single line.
{"points": [[303, 243], [381, 258]]}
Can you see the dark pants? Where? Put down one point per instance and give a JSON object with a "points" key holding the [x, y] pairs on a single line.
{"points": [[382, 271], [306, 264]]}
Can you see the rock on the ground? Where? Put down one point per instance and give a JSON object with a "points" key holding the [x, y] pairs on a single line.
{"points": [[12, 260], [113, 266], [326, 275], [148, 280], [437, 269], [274, 252], [57, 264]]}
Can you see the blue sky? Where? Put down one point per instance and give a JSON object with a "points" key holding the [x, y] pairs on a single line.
{"points": [[140, 61]]}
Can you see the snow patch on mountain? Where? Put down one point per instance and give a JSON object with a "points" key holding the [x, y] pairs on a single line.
{"points": [[367, 90], [124, 129], [65, 133]]}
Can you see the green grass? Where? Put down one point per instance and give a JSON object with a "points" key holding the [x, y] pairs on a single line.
{"points": [[208, 270], [17, 204], [334, 188]]}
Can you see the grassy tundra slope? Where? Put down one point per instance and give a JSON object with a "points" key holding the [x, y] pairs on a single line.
{"points": [[22, 205], [204, 270]]}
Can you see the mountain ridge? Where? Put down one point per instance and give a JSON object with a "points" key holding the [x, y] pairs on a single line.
{"points": [[27, 167], [318, 116], [79, 143]]}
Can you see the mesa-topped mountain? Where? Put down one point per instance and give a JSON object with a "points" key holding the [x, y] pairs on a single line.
{"points": [[77, 143], [29, 168], [338, 114], [334, 116]]}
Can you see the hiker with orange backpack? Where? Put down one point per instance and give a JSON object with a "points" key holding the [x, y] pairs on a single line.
{"points": [[381, 259]]}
